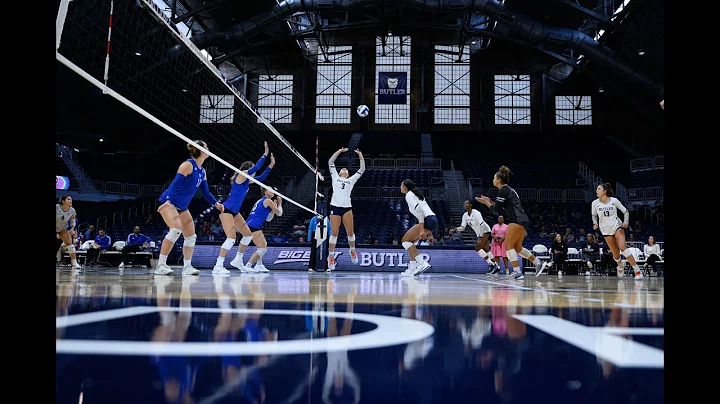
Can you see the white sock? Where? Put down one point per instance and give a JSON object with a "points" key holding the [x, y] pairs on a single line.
{"points": [[412, 265], [73, 262], [490, 255], [187, 263], [419, 260], [220, 261], [636, 267], [162, 259], [485, 256], [239, 254]]}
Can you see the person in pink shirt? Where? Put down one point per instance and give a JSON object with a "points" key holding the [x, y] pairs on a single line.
{"points": [[498, 236]]}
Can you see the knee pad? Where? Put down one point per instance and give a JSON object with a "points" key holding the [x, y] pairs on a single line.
{"points": [[333, 240], [228, 243], [407, 244], [70, 248], [351, 238], [511, 254], [173, 235], [246, 240], [525, 253], [261, 252], [190, 241], [626, 253]]}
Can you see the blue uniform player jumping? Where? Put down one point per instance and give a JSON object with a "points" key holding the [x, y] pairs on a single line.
{"points": [[263, 211], [231, 219], [174, 210]]}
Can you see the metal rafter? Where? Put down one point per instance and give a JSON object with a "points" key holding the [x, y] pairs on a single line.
{"points": [[195, 11]]}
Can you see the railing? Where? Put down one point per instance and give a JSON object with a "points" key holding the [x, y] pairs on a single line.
{"points": [[382, 163], [589, 175], [454, 174], [640, 244], [124, 189], [551, 195], [649, 195], [621, 193], [648, 163], [476, 182], [394, 192]]}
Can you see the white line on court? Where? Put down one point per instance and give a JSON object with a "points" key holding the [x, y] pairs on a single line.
{"points": [[105, 315], [497, 283], [390, 331]]}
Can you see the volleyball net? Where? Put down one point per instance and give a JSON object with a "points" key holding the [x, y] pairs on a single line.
{"points": [[133, 52]]}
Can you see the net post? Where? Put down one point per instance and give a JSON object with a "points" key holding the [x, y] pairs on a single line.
{"points": [[107, 52], [60, 21], [320, 244]]}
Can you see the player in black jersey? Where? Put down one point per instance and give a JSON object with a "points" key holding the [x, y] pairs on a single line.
{"points": [[508, 205]]}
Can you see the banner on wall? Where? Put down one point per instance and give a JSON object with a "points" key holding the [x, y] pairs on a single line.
{"points": [[62, 183], [371, 259], [392, 88]]}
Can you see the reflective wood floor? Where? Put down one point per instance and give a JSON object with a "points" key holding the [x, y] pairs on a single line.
{"points": [[294, 337]]}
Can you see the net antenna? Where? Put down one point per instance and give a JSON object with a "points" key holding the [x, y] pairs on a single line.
{"points": [[154, 11]]}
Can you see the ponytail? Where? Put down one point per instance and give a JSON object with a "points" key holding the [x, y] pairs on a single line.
{"points": [[410, 185]]}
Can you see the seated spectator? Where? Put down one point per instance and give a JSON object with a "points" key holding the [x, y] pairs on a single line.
{"points": [[102, 242], [652, 253], [558, 251], [90, 233], [591, 252], [216, 230], [299, 229], [135, 242]]}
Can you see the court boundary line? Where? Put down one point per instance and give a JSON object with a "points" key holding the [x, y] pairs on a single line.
{"points": [[389, 331]]}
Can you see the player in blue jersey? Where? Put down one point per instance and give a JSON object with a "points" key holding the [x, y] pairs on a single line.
{"points": [[263, 210], [174, 210], [231, 219]]}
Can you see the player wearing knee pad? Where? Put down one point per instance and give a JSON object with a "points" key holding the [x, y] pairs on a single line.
{"points": [[189, 178], [65, 221], [238, 191]]}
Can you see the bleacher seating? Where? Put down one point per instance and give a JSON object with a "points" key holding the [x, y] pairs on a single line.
{"points": [[648, 178], [560, 176], [393, 178]]}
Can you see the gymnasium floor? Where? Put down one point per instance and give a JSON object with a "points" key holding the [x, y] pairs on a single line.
{"points": [[294, 337]]}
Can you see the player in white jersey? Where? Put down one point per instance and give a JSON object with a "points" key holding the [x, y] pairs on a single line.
{"points": [[427, 223], [65, 222], [482, 230], [605, 208], [341, 205]]}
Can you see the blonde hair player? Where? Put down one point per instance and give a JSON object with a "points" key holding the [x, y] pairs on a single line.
{"points": [[508, 206], [341, 205], [605, 207], [65, 220], [231, 218], [263, 211], [427, 223], [482, 230], [174, 209]]}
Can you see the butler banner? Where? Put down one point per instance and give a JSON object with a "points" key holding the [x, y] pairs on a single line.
{"points": [[389, 259], [392, 88]]}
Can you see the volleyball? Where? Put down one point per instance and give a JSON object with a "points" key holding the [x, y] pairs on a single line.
{"points": [[363, 111]]}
